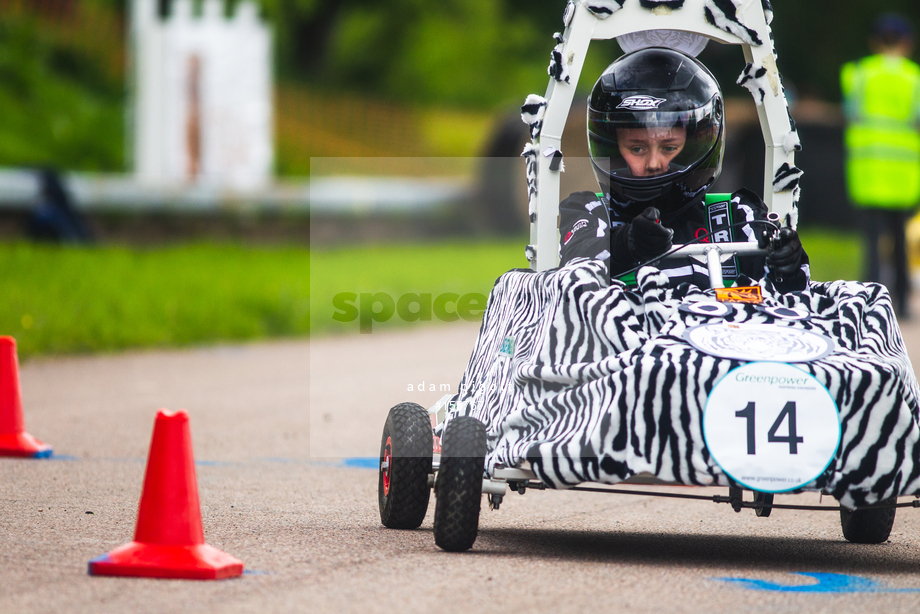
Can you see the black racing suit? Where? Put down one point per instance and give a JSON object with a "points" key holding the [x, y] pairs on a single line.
{"points": [[590, 228]]}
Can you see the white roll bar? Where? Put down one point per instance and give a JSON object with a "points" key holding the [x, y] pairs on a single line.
{"points": [[584, 26]]}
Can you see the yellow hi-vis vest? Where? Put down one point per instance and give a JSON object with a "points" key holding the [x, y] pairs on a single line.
{"points": [[882, 103]]}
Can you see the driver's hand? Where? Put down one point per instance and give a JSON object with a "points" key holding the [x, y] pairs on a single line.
{"points": [[784, 252], [647, 238]]}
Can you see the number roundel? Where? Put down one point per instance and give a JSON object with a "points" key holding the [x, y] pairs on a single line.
{"points": [[771, 427]]}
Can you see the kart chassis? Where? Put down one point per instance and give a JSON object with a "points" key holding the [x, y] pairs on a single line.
{"points": [[582, 25]]}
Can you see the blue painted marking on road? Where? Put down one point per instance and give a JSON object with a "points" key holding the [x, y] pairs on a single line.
{"points": [[827, 583], [356, 462], [362, 462]]}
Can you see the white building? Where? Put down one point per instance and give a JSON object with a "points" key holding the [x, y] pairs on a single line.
{"points": [[202, 96]]}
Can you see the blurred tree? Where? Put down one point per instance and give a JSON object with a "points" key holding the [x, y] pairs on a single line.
{"points": [[460, 52], [486, 52], [302, 30], [61, 92], [62, 84], [813, 39]]}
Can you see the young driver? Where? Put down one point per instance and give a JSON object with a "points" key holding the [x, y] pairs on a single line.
{"points": [[656, 141]]}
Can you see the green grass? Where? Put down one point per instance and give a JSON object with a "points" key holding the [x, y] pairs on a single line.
{"points": [[65, 300], [60, 300], [61, 101], [459, 268], [832, 254]]}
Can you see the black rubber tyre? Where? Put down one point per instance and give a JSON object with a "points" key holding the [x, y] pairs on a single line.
{"points": [[459, 484], [405, 464], [872, 526], [767, 499]]}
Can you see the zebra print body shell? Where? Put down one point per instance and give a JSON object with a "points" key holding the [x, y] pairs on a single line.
{"points": [[592, 382]]}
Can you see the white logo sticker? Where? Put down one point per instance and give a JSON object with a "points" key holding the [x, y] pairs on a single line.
{"points": [[771, 427], [641, 103], [768, 342]]}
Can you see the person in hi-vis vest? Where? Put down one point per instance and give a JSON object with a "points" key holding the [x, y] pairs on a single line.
{"points": [[881, 95]]}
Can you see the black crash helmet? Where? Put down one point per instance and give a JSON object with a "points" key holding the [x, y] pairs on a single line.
{"points": [[655, 131]]}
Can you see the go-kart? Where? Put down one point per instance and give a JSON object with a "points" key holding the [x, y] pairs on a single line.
{"points": [[579, 382]]}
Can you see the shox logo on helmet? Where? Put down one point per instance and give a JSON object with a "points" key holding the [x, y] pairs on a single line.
{"points": [[641, 103]]}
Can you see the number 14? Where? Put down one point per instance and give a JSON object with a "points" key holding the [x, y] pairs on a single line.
{"points": [[792, 438]]}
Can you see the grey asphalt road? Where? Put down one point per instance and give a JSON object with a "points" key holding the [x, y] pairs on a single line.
{"points": [[282, 432]]}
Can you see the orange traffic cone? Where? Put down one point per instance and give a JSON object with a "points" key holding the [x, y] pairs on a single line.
{"points": [[169, 541], [14, 441]]}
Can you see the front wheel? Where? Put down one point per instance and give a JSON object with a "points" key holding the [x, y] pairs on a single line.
{"points": [[405, 464], [459, 484], [868, 526]]}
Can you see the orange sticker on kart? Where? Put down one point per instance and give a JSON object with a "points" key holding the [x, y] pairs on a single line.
{"points": [[742, 294]]}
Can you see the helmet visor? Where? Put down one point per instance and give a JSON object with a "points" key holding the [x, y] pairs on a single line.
{"points": [[652, 145]]}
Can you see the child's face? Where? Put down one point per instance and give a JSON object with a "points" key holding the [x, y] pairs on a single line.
{"points": [[649, 151]]}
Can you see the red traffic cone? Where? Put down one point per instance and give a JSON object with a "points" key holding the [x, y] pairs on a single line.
{"points": [[169, 541], [14, 441]]}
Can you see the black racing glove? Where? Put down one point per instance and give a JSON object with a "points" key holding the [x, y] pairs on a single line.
{"points": [[784, 252], [646, 237]]}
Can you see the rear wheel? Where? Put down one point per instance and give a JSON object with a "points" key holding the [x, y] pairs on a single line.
{"points": [[868, 526], [405, 464], [459, 484]]}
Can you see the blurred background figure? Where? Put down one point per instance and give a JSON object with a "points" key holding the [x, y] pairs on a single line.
{"points": [[882, 107], [54, 217]]}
